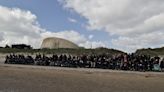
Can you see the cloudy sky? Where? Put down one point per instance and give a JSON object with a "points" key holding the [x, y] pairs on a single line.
{"points": [[120, 24]]}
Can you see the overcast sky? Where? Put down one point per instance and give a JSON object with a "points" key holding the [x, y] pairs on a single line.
{"points": [[120, 24]]}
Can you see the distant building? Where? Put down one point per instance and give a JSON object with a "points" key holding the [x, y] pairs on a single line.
{"points": [[55, 43], [21, 46]]}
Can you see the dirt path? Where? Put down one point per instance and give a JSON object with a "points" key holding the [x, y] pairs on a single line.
{"points": [[45, 79]]}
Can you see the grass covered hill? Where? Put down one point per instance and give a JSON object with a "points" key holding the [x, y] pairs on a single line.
{"points": [[63, 51], [152, 52]]}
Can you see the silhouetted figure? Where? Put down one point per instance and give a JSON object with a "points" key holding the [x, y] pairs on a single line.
{"points": [[129, 62]]}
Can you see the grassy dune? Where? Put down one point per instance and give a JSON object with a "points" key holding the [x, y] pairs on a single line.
{"points": [[152, 52], [61, 51]]}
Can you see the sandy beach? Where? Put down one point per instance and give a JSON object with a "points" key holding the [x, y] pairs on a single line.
{"points": [[20, 78]]}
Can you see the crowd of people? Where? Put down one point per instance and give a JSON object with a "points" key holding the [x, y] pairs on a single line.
{"points": [[130, 62]]}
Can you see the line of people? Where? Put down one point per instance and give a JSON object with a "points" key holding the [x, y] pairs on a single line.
{"points": [[117, 62]]}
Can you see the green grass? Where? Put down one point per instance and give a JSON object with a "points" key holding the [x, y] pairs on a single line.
{"points": [[63, 51], [98, 51], [151, 52]]}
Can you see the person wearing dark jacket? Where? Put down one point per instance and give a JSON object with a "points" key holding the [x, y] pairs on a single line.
{"points": [[162, 65]]}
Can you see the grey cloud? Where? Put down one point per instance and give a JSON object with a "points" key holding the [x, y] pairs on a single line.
{"points": [[21, 26], [130, 19]]}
